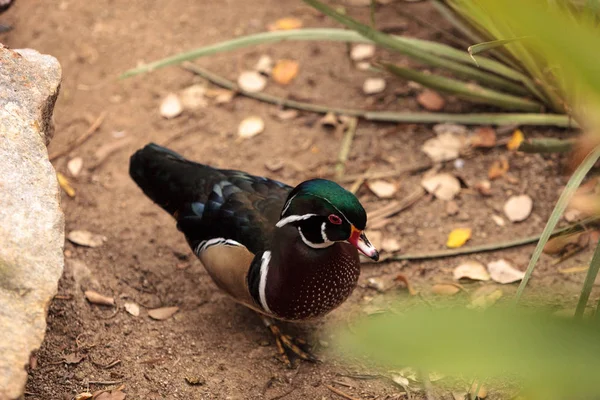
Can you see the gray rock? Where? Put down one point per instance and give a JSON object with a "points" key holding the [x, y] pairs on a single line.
{"points": [[31, 221]]}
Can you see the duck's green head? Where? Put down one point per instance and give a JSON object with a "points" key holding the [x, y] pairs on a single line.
{"points": [[325, 213]]}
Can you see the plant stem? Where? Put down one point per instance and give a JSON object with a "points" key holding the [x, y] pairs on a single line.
{"points": [[340, 166], [388, 116], [467, 91], [590, 278], [546, 145], [480, 249]]}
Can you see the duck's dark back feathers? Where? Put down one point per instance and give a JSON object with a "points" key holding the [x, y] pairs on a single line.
{"points": [[209, 203]]}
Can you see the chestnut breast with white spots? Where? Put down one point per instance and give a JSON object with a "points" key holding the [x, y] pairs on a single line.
{"points": [[310, 287]]}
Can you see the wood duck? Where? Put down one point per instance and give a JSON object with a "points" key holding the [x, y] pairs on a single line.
{"points": [[287, 253]]}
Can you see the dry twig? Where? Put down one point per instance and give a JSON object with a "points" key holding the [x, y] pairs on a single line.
{"points": [[81, 139], [340, 393]]}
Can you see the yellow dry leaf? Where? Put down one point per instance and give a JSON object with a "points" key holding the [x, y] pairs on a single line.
{"points": [[284, 24], [285, 71], [65, 185], [515, 140], [458, 237]]}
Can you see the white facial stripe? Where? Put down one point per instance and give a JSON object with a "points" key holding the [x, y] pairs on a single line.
{"points": [[338, 210], [205, 244], [293, 218], [264, 270], [323, 233], [313, 245], [287, 205]]}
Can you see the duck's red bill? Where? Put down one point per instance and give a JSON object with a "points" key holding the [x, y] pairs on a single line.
{"points": [[359, 240]]}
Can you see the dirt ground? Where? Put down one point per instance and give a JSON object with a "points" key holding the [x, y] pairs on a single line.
{"points": [[146, 260]]}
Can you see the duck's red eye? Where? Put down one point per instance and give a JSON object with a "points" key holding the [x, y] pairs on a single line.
{"points": [[334, 219]]}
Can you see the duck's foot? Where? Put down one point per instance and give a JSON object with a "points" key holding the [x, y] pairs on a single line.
{"points": [[5, 28], [286, 343]]}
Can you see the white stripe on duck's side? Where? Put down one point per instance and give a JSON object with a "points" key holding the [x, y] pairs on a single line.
{"points": [[205, 244], [262, 285]]}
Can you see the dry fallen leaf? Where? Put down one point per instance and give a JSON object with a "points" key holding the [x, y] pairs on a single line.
{"points": [[286, 115], [444, 147], [373, 86], [284, 24], [97, 298], [362, 51], [162, 313], [445, 289], [485, 296], [499, 168], [251, 81], [403, 278], [498, 220], [431, 100], [458, 237], [382, 189], [443, 186], [518, 208], [572, 215], [471, 269], [516, 140], [377, 284], [264, 65], [484, 137], [285, 71], [251, 127], [171, 106], [75, 165], [86, 238], [502, 272], [83, 396], [132, 309], [329, 120], [454, 129], [194, 97], [65, 185], [484, 187]]}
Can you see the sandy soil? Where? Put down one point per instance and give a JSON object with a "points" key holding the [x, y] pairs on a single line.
{"points": [[146, 260]]}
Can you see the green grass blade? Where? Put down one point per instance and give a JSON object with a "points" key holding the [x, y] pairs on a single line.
{"points": [[342, 35], [590, 278], [525, 86], [485, 46], [458, 69], [250, 40], [559, 209], [466, 91], [546, 145], [499, 119]]}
